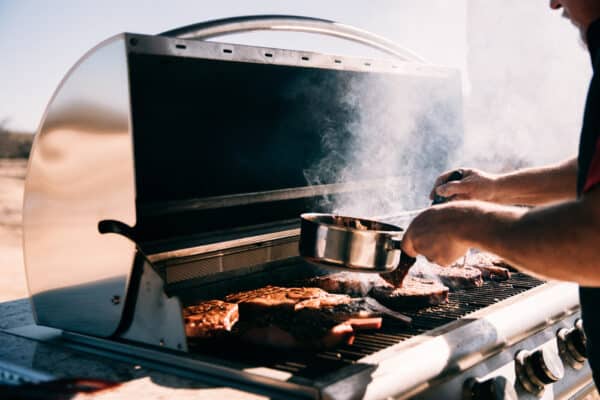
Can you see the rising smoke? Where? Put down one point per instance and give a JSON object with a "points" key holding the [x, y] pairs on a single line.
{"points": [[524, 83], [401, 137]]}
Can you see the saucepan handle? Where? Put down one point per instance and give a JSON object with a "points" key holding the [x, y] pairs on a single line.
{"points": [[406, 261], [291, 23]]}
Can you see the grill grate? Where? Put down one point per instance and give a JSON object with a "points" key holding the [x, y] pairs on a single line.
{"points": [[317, 365]]}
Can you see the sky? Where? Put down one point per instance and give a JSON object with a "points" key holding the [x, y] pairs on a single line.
{"points": [[41, 40]]}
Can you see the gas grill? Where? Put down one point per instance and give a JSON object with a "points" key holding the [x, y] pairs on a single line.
{"points": [[168, 170]]}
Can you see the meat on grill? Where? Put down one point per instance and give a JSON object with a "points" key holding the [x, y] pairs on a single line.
{"points": [[492, 267], [300, 317], [455, 277], [210, 318], [414, 293], [351, 283]]}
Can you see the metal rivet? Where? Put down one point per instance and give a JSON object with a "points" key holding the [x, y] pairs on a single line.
{"points": [[116, 299]]}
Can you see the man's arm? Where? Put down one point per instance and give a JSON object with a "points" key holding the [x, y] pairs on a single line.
{"points": [[561, 241], [529, 186]]}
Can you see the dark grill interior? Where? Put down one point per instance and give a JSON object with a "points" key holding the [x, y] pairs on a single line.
{"points": [[316, 366]]}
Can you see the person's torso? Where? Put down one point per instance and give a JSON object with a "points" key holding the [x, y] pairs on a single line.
{"points": [[590, 131]]}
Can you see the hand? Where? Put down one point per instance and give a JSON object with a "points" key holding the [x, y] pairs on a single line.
{"points": [[436, 233], [475, 185]]}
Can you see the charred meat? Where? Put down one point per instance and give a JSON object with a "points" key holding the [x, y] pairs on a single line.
{"points": [[301, 317], [210, 318], [491, 267], [456, 277], [414, 293], [351, 283]]}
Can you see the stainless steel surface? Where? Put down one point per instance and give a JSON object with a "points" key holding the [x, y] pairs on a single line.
{"points": [[180, 255], [242, 199], [574, 385], [357, 244], [220, 27], [81, 172], [162, 45], [157, 319], [424, 363]]}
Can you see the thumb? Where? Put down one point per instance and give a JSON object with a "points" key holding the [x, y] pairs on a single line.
{"points": [[452, 188], [408, 247]]}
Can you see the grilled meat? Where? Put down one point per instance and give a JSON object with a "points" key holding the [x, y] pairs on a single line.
{"points": [[351, 283], [301, 317], [455, 277], [491, 267], [414, 293], [209, 318]]}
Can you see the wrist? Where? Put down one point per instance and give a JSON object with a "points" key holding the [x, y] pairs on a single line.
{"points": [[495, 184], [483, 223]]}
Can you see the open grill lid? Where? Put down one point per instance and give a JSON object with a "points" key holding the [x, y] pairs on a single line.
{"points": [[187, 141]]}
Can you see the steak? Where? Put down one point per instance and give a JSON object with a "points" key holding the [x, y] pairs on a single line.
{"points": [[353, 284], [301, 317], [455, 277], [492, 267], [414, 293], [210, 318]]}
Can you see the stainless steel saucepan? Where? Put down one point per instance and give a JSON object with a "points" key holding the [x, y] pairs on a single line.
{"points": [[356, 244]]}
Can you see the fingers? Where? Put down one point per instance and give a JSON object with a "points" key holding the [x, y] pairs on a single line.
{"points": [[443, 180], [439, 181], [408, 245], [454, 188]]}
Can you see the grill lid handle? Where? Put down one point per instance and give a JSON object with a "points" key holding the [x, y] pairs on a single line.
{"points": [[291, 23]]}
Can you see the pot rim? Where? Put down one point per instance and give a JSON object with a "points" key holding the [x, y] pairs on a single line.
{"points": [[315, 218]]}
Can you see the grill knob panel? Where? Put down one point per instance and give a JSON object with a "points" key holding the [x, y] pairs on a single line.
{"points": [[496, 388], [572, 344], [539, 368]]}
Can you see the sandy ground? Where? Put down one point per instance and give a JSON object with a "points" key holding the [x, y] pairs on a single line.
{"points": [[12, 278]]}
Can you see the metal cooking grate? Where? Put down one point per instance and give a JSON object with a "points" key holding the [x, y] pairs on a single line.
{"points": [[317, 365]]}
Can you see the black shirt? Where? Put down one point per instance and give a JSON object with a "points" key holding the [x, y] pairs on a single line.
{"points": [[588, 175]]}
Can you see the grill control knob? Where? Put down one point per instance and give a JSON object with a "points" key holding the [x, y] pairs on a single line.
{"points": [[572, 344], [496, 388], [539, 368]]}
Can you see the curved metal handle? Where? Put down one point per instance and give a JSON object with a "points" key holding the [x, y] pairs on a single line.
{"points": [[406, 261], [291, 23]]}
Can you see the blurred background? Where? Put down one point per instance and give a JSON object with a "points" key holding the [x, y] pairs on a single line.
{"points": [[524, 69]]}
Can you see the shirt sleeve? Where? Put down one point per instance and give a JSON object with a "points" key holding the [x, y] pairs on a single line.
{"points": [[593, 176]]}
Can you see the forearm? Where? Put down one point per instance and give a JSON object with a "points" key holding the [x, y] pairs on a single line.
{"points": [[536, 186], [556, 242]]}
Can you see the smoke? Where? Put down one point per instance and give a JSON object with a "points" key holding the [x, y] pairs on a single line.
{"points": [[523, 90], [527, 78], [401, 132]]}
